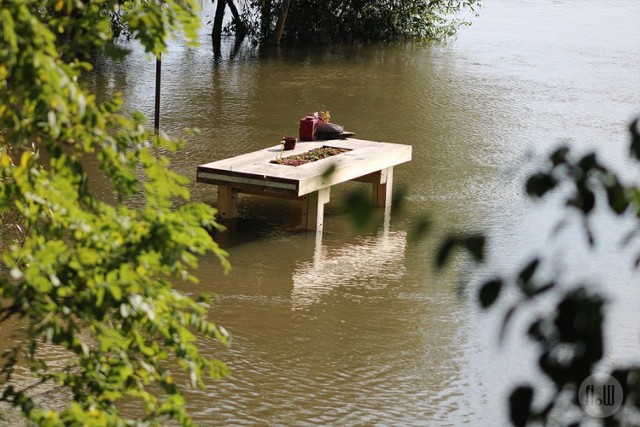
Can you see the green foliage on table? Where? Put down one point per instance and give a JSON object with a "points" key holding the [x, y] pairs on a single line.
{"points": [[82, 276]]}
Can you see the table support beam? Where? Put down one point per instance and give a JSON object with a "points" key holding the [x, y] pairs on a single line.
{"points": [[382, 190], [313, 209], [227, 202]]}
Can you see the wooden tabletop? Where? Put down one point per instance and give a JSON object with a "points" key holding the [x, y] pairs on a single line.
{"points": [[255, 170]]}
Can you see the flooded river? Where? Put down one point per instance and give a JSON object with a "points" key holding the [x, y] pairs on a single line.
{"points": [[357, 327]]}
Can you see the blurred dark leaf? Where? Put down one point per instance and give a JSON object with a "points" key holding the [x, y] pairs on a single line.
{"points": [[527, 273], [588, 201], [539, 184], [475, 246], [542, 289], [635, 139], [535, 331], [420, 228], [489, 292], [617, 198], [589, 233], [359, 208], [532, 289], [583, 200], [445, 251], [505, 322], [588, 162], [329, 171], [559, 156], [398, 200], [520, 405]]}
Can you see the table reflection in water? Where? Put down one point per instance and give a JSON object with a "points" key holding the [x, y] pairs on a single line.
{"points": [[371, 262]]}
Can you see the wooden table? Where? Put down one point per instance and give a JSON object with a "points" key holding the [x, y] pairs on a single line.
{"points": [[253, 173]]}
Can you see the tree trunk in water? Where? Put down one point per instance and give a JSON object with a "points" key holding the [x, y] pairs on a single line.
{"points": [[265, 20], [281, 21], [216, 33], [241, 30]]}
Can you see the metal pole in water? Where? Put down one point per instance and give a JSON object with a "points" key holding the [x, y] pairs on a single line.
{"points": [[156, 124]]}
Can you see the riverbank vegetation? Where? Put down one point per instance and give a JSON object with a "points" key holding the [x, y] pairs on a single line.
{"points": [[351, 21]]}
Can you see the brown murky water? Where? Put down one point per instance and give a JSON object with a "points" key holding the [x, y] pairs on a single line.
{"points": [[356, 327]]}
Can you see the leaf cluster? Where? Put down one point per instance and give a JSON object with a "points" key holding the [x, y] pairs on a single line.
{"points": [[89, 277], [570, 336]]}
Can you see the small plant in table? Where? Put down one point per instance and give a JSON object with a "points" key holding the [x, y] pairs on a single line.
{"points": [[281, 150], [309, 156]]}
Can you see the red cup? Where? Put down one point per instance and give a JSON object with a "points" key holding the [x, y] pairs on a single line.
{"points": [[290, 142]]}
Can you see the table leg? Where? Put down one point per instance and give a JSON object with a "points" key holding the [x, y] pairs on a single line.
{"points": [[382, 191], [313, 209], [227, 202]]}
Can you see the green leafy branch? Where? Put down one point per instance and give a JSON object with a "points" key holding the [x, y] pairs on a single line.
{"points": [[92, 278]]}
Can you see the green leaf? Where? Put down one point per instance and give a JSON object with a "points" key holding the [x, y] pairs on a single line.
{"points": [[359, 208], [329, 171], [617, 197], [88, 256], [420, 228], [115, 290]]}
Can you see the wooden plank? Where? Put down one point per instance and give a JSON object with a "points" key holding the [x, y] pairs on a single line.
{"points": [[265, 191], [245, 180]]}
